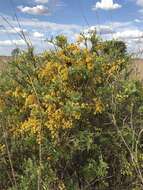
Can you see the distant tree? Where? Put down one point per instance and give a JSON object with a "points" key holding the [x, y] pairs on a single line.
{"points": [[15, 52], [112, 48], [115, 47]]}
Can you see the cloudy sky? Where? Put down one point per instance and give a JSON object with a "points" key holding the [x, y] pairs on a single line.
{"points": [[42, 19]]}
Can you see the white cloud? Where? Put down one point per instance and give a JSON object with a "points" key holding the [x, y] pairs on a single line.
{"points": [[12, 42], [60, 4], [110, 27], [37, 10], [139, 2], [14, 30], [42, 1], [138, 20], [38, 35], [106, 5], [102, 29], [49, 26], [38, 25], [128, 34], [126, 31]]}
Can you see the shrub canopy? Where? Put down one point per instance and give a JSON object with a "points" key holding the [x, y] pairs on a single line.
{"points": [[71, 119]]}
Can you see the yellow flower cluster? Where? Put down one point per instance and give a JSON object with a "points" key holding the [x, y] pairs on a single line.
{"points": [[61, 185], [63, 58], [54, 71], [2, 104], [76, 109], [57, 120], [74, 49], [61, 80], [32, 126], [49, 71], [64, 73], [2, 148], [89, 62], [111, 69], [121, 97], [99, 106], [30, 100], [17, 92]]}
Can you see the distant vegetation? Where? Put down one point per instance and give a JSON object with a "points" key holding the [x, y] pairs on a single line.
{"points": [[71, 119]]}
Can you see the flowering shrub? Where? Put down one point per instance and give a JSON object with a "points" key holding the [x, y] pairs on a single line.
{"points": [[71, 119]]}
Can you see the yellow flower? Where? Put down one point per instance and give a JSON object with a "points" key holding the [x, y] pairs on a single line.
{"points": [[84, 105], [98, 79], [113, 69], [77, 115], [32, 125], [61, 186], [64, 73], [88, 59], [18, 92], [57, 120], [2, 148], [30, 100], [99, 107], [49, 70], [90, 66], [2, 105]]}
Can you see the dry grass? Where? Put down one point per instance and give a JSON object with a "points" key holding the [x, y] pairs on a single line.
{"points": [[3, 61], [4, 58], [138, 68]]}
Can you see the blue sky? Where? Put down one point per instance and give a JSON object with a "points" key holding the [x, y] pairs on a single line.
{"points": [[41, 19]]}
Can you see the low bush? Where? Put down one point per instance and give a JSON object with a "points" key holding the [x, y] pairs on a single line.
{"points": [[71, 118]]}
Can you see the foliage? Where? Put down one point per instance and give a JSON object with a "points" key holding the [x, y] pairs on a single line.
{"points": [[71, 119], [15, 52]]}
